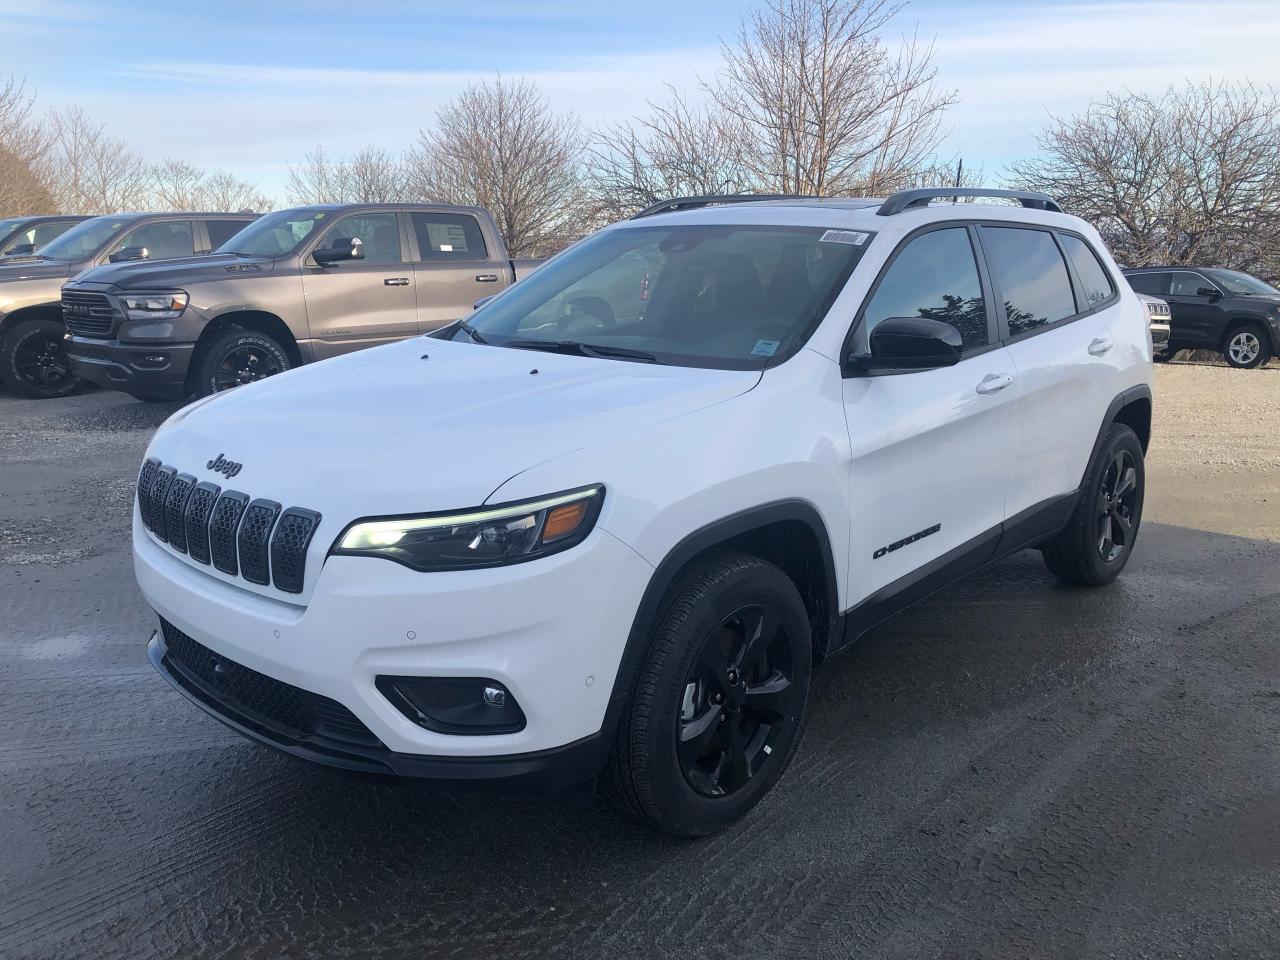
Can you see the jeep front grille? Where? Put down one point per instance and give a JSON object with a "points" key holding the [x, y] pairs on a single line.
{"points": [[88, 314], [257, 540]]}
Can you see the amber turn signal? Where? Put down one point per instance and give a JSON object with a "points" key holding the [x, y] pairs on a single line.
{"points": [[563, 521]]}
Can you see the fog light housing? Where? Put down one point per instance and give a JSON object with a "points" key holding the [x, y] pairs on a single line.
{"points": [[462, 706]]}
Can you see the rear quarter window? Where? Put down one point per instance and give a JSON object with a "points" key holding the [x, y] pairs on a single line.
{"points": [[1095, 282]]}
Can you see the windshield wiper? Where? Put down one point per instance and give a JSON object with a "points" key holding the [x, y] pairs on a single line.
{"points": [[580, 349], [471, 331]]}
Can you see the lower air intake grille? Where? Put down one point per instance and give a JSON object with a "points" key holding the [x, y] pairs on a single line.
{"points": [[285, 709]]}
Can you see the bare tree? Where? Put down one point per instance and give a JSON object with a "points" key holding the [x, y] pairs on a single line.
{"points": [[1188, 176], [178, 185], [676, 150], [371, 175], [500, 146], [822, 105], [90, 171], [23, 151]]}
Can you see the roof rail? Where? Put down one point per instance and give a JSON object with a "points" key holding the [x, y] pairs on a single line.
{"points": [[909, 199], [692, 203]]}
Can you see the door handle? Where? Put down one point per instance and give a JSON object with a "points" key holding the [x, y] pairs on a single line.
{"points": [[1100, 346], [994, 382], [486, 278], [396, 281]]}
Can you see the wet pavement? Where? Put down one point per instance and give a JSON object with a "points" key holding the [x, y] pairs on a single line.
{"points": [[1012, 768]]}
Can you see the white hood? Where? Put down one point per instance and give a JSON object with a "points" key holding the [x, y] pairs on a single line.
{"points": [[385, 431]]}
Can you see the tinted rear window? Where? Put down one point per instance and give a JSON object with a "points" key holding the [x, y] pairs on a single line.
{"points": [[1095, 281], [1031, 275]]}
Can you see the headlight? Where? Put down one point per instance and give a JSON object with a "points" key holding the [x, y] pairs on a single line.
{"points": [[155, 306], [483, 537]]}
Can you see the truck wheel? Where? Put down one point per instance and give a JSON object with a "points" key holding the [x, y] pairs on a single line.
{"points": [[235, 357], [720, 703], [1246, 347], [1097, 542], [33, 360]]}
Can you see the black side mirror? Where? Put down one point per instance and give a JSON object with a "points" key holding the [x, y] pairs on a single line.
{"points": [[910, 343], [342, 248], [482, 301], [21, 250], [1210, 292], [129, 253]]}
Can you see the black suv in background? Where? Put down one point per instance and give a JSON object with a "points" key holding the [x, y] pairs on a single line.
{"points": [[23, 236], [33, 357], [1213, 309]]}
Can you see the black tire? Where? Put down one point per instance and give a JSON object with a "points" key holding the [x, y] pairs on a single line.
{"points": [[1246, 346], [1098, 541], [709, 617], [235, 356], [33, 360]]}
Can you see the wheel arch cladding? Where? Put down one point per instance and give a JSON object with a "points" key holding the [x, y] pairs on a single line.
{"points": [[787, 533], [40, 311]]}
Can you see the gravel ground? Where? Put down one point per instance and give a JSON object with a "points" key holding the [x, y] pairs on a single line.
{"points": [[1010, 769]]}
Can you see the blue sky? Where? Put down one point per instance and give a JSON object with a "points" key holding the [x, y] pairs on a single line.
{"points": [[250, 87]]}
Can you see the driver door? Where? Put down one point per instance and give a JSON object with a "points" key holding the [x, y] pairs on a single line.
{"points": [[932, 450], [360, 303]]}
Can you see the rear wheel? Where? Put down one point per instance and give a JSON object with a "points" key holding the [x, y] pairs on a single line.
{"points": [[235, 357], [33, 359], [720, 703], [1246, 347], [1095, 546]]}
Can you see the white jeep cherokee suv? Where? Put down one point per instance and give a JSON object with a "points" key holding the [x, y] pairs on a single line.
{"points": [[610, 526]]}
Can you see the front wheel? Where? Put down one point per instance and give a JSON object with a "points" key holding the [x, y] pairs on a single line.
{"points": [[1098, 541], [33, 360], [1246, 348], [235, 357], [717, 711]]}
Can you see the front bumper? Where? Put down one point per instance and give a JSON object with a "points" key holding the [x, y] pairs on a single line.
{"points": [[552, 631], [542, 772], [158, 370]]}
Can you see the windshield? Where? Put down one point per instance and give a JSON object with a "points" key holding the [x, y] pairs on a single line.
{"points": [[8, 226], [724, 296], [275, 234], [84, 239], [1242, 284]]}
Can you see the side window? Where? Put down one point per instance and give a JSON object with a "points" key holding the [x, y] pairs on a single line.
{"points": [[1152, 284], [1094, 279], [1031, 275], [220, 231], [379, 232], [1187, 284], [163, 241], [448, 236], [934, 276]]}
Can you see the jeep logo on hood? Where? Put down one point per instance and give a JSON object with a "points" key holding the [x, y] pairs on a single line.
{"points": [[228, 468]]}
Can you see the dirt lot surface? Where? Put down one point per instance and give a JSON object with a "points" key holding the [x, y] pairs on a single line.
{"points": [[1010, 769]]}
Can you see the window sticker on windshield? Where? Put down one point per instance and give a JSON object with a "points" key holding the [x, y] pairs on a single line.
{"points": [[854, 237], [765, 348]]}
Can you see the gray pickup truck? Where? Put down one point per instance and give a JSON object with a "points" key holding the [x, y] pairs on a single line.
{"points": [[299, 285], [33, 360]]}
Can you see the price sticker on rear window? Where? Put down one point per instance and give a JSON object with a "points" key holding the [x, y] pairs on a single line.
{"points": [[765, 348], [855, 237]]}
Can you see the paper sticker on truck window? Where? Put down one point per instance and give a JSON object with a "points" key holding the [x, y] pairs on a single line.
{"points": [[765, 348], [855, 237]]}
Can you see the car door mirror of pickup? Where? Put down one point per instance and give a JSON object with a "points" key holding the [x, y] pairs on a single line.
{"points": [[342, 248], [126, 254], [904, 344], [1211, 292]]}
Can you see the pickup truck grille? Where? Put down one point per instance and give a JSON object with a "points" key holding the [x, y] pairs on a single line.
{"points": [[88, 314], [254, 539]]}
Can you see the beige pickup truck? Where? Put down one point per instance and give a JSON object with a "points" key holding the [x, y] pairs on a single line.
{"points": [[296, 286]]}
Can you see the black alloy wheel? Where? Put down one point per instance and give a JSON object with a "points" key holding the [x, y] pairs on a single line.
{"points": [[737, 702], [35, 362], [247, 363], [1117, 499]]}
